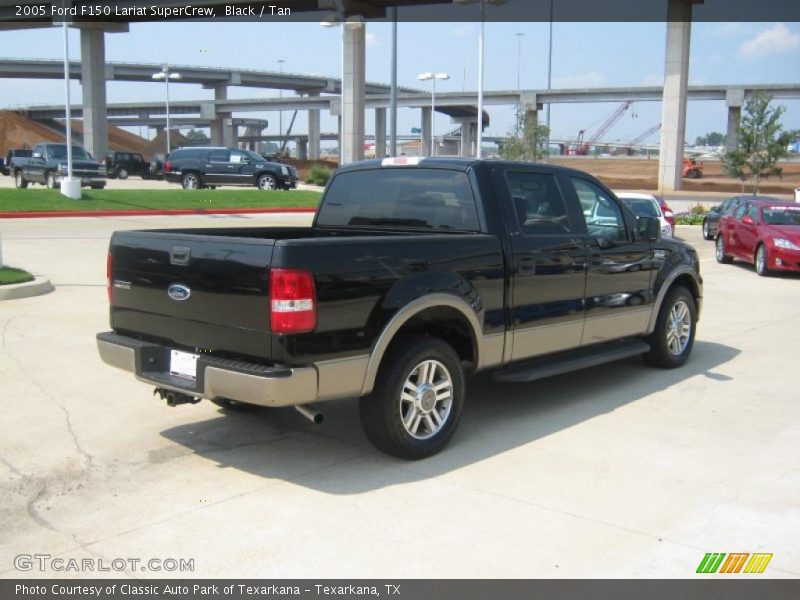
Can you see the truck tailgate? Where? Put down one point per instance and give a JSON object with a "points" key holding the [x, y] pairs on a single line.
{"points": [[202, 292]]}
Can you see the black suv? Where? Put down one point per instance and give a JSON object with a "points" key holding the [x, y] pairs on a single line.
{"points": [[123, 164], [209, 167]]}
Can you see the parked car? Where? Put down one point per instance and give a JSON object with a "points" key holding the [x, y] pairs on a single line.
{"points": [[196, 168], [763, 232], [157, 165], [711, 220], [669, 215], [11, 155], [48, 165], [121, 165], [414, 273], [646, 205]]}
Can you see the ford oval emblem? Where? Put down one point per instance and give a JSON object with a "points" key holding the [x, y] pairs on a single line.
{"points": [[179, 292]]}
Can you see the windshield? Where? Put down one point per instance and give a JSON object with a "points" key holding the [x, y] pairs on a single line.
{"points": [[781, 215], [642, 207], [60, 151]]}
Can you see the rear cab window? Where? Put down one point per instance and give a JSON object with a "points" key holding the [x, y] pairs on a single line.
{"points": [[399, 197], [538, 205]]}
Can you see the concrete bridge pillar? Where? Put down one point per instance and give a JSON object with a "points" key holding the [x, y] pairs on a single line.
{"points": [[734, 98], [380, 132], [217, 124], [353, 89], [230, 133], [425, 150], [673, 104], [302, 148], [93, 80], [469, 131], [313, 132]]}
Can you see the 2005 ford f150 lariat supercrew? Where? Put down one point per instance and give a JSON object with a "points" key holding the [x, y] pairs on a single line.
{"points": [[414, 273]]}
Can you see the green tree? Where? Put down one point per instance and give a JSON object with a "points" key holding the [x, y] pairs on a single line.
{"points": [[195, 135], [762, 142], [526, 139], [713, 138]]}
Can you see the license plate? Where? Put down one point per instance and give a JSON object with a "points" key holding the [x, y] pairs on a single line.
{"points": [[183, 364]]}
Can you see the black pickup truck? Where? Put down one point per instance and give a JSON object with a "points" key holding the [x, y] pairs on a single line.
{"points": [[48, 164], [414, 274]]}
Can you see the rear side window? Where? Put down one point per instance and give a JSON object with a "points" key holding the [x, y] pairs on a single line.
{"points": [[400, 197], [538, 204]]}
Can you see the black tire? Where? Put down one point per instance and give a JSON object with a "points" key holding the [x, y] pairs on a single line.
{"points": [[694, 174], [762, 261], [707, 235], [122, 173], [661, 353], [266, 182], [382, 411], [19, 181], [50, 180], [720, 254], [98, 186], [191, 181]]}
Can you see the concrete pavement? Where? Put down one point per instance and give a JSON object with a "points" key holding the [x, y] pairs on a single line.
{"points": [[621, 471]]}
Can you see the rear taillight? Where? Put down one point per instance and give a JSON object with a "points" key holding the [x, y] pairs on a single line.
{"points": [[167, 167], [109, 287], [293, 302]]}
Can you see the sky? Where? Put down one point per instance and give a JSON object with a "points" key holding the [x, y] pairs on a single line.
{"points": [[584, 55]]}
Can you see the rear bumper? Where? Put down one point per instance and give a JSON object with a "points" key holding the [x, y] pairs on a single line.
{"points": [[216, 377]]}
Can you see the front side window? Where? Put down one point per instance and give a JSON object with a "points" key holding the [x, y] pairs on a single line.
{"points": [[739, 212], [538, 204], [602, 214]]}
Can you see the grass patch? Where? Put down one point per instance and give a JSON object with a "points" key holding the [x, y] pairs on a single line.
{"points": [[14, 200], [9, 275]]}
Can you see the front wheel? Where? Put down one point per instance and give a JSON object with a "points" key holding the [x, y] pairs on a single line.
{"points": [[416, 403], [673, 337], [50, 181], [266, 182], [762, 261], [190, 181], [720, 253], [707, 235], [19, 181], [122, 173]]}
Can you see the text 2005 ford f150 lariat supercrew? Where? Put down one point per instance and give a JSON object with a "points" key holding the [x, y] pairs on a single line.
{"points": [[414, 273]]}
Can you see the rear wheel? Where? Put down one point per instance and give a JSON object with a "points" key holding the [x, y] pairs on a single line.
{"points": [[190, 181], [19, 181], [762, 261], [720, 253], [673, 337], [122, 173], [416, 404]]}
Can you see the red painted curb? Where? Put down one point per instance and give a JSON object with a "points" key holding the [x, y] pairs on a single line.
{"points": [[144, 213]]}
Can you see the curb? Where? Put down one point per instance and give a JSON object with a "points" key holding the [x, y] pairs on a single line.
{"points": [[38, 287], [153, 213]]}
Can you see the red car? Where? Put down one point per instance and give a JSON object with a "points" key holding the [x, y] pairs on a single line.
{"points": [[764, 232], [667, 211]]}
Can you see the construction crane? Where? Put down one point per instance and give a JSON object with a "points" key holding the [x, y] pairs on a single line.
{"points": [[582, 147], [634, 142]]}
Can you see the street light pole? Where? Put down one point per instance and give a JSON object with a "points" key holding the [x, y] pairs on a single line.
{"points": [[479, 152], [519, 56], [393, 89], [433, 77], [549, 74], [280, 112], [68, 187], [166, 75]]}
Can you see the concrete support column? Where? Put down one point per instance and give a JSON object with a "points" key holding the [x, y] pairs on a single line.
{"points": [[676, 83], [313, 132], [426, 131], [469, 129], [93, 80], [531, 120], [353, 89], [217, 125], [380, 132], [734, 98], [230, 133], [302, 148]]}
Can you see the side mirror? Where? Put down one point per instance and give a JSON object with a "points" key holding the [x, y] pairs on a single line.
{"points": [[747, 220], [714, 208], [37, 155], [649, 228]]}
